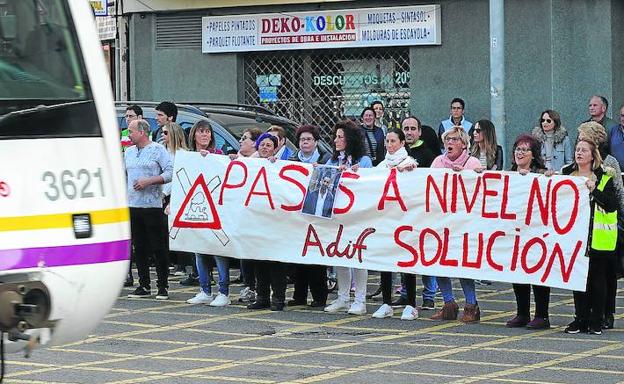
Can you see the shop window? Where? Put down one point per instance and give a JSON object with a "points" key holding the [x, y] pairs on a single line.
{"points": [[322, 87]]}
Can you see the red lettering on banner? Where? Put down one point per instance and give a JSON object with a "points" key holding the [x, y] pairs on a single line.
{"points": [[391, 181], [504, 214], [351, 248], [302, 188], [489, 192], [558, 253], [226, 184], [407, 247], [439, 249], [472, 264], [315, 242], [573, 213], [349, 193], [441, 196], [266, 192], [5, 190], [488, 251], [536, 193], [525, 251], [468, 205], [516, 251]]}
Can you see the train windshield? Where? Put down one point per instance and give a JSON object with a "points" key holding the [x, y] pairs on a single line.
{"points": [[40, 60], [44, 88]]}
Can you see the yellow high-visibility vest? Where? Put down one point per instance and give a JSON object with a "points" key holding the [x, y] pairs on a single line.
{"points": [[604, 233]]}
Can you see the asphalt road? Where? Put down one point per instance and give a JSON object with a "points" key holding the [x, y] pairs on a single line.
{"points": [[149, 341]]}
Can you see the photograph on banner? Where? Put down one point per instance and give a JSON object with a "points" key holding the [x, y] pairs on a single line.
{"points": [[321, 192]]}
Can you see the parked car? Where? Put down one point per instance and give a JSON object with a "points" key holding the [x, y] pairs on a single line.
{"points": [[187, 117], [238, 117]]}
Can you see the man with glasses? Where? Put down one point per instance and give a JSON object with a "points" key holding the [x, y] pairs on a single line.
{"points": [[133, 112], [457, 118]]}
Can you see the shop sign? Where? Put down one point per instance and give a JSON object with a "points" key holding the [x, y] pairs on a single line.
{"points": [[100, 7], [365, 27]]}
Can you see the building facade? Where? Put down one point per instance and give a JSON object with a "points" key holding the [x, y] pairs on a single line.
{"points": [[557, 54]]}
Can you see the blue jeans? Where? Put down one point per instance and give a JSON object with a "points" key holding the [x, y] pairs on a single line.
{"points": [[204, 270], [430, 286], [468, 286]]}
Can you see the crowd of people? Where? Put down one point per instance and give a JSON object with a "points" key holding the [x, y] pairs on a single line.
{"points": [[597, 154]]}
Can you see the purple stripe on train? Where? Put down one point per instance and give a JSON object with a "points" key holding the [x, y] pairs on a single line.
{"points": [[64, 255]]}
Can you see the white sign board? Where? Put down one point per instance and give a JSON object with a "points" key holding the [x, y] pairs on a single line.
{"points": [[365, 27], [499, 226]]}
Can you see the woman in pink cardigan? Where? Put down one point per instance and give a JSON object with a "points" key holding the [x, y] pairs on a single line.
{"points": [[456, 142]]}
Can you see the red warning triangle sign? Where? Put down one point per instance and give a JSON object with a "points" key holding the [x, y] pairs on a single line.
{"points": [[198, 209]]}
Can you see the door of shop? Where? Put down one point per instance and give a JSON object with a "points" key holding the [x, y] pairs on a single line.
{"points": [[322, 87]]}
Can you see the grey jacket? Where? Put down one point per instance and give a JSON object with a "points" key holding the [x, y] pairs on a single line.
{"points": [[562, 152]]}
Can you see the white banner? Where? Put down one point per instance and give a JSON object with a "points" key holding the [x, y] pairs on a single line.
{"points": [[499, 226], [364, 27]]}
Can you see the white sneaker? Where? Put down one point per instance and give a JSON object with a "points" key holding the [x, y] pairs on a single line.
{"points": [[357, 309], [409, 313], [201, 298], [336, 306], [383, 312], [220, 301]]}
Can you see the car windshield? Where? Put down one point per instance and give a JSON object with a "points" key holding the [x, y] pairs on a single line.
{"points": [[39, 57]]}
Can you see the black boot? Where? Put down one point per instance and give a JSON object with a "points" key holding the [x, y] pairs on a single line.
{"points": [[129, 281]]}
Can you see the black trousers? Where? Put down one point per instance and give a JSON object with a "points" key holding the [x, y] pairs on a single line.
{"points": [[541, 295], [270, 275], [313, 277], [410, 287], [149, 234], [611, 286], [589, 306], [248, 270]]}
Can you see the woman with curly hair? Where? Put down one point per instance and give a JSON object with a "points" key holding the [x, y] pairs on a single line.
{"points": [[349, 154]]}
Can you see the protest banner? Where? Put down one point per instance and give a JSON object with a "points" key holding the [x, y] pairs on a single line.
{"points": [[499, 226]]}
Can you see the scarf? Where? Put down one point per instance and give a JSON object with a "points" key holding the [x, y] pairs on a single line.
{"points": [[309, 159], [343, 159], [396, 158], [461, 160]]}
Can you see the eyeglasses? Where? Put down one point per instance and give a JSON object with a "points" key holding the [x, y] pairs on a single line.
{"points": [[477, 130], [455, 108], [452, 139], [130, 116], [165, 133], [306, 138], [548, 121], [522, 150], [408, 128]]}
